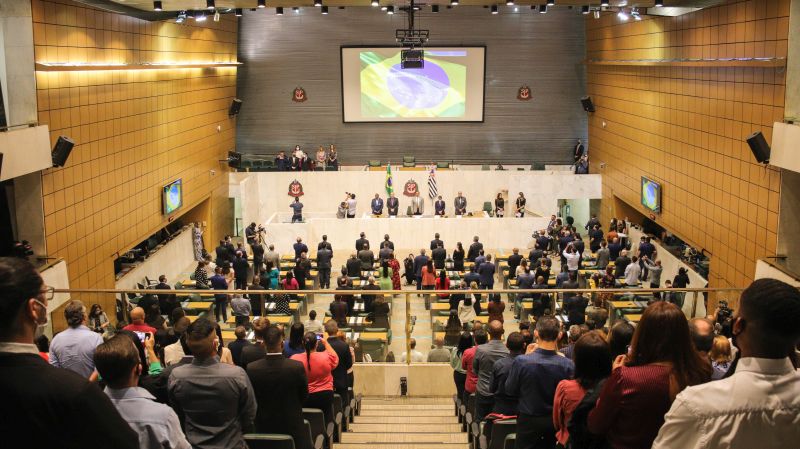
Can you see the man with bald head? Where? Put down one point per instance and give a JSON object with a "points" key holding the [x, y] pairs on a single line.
{"points": [[137, 322], [439, 353], [483, 365], [702, 333]]}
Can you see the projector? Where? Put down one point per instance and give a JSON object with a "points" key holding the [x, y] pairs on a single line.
{"points": [[412, 59]]}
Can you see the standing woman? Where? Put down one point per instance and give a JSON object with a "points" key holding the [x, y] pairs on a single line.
{"points": [[380, 313], [458, 257], [496, 307], [394, 264], [443, 283], [322, 157], [289, 283], [318, 366], [273, 274], [499, 206], [98, 320], [333, 157], [385, 278], [459, 373], [643, 383], [408, 264], [519, 209]]}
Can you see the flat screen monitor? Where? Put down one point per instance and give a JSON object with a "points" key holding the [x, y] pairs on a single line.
{"points": [[651, 195], [172, 196], [449, 87]]}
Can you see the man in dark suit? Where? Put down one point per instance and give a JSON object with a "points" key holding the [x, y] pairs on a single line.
{"points": [[592, 223], [439, 255], [438, 206], [377, 205], [240, 269], [258, 258], [460, 204], [621, 263], [386, 240], [281, 387], [222, 253], [353, 266], [486, 272], [367, 258], [513, 262], [361, 241], [255, 298], [231, 248], [393, 205], [474, 249], [49, 407], [324, 257], [166, 302], [299, 248], [237, 345], [419, 262], [614, 249], [436, 242], [472, 276], [338, 307], [324, 243], [340, 381], [301, 269], [578, 152], [385, 253]]}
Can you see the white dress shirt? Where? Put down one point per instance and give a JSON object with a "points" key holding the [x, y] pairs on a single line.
{"points": [[632, 272], [572, 260], [758, 407]]}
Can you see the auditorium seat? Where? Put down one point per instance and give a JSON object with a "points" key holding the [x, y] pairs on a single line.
{"points": [[409, 161], [442, 165], [510, 442], [374, 163], [374, 347], [338, 418], [500, 429], [316, 419], [269, 441], [487, 207]]}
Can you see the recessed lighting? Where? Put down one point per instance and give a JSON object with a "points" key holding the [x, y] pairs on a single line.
{"points": [[435, 9], [509, 2], [375, 3], [262, 3], [494, 9], [200, 17], [211, 4], [296, 10], [157, 6], [317, 2], [279, 10], [551, 2], [659, 3], [542, 9], [603, 2], [238, 12], [390, 9], [453, 2], [324, 10], [585, 9]]}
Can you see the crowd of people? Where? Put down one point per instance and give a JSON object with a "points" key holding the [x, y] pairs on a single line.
{"points": [[298, 160]]}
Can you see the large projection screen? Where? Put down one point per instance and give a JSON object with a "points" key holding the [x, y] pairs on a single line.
{"points": [[448, 89]]}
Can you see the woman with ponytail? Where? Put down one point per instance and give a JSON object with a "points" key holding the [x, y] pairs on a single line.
{"points": [[318, 366]]}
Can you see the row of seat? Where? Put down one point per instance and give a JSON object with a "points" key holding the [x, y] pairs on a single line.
{"points": [[496, 434]]}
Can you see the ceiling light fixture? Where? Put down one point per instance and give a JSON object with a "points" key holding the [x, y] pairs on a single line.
{"points": [[453, 2], [157, 6], [585, 9], [279, 10], [542, 9], [324, 10], [494, 9], [262, 3], [181, 17], [216, 15], [375, 3], [390, 9], [435, 9], [238, 12], [551, 2], [603, 2], [200, 16], [596, 13], [659, 3], [211, 4], [509, 2], [622, 15], [296, 10], [317, 2], [635, 14]]}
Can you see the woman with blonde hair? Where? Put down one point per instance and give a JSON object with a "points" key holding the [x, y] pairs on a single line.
{"points": [[720, 357]]}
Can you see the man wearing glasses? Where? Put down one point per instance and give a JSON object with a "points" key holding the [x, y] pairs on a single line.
{"points": [[51, 407]]}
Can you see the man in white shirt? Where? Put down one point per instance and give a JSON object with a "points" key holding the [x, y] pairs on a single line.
{"points": [[758, 406], [572, 257], [312, 324], [416, 356], [632, 272]]}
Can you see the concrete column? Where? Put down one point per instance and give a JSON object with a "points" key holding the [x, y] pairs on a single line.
{"points": [[792, 109], [17, 74]]}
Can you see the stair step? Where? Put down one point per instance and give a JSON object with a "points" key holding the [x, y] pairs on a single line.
{"points": [[400, 446], [361, 419], [405, 427], [390, 406], [412, 412], [432, 438], [406, 400]]}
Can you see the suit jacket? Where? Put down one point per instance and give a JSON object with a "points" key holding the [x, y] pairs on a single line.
{"points": [[240, 267], [439, 207], [377, 206], [474, 251], [391, 245], [384, 253], [353, 267], [393, 204], [417, 205], [324, 244], [299, 248], [439, 255], [324, 256], [345, 363], [419, 262], [222, 254], [360, 244], [338, 311], [281, 387], [460, 204], [513, 263], [258, 253], [435, 244], [274, 257], [367, 258]]}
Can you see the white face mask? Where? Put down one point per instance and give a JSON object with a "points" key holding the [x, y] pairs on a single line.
{"points": [[41, 323]]}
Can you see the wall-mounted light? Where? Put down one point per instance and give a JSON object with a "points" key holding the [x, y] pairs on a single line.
{"points": [[157, 6], [262, 3], [211, 4]]}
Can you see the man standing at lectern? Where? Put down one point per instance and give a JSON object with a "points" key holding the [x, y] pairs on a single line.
{"points": [[393, 205], [439, 206], [461, 204], [417, 205], [377, 205]]}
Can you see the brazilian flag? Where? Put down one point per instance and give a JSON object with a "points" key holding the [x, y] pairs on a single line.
{"points": [[389, 185]]}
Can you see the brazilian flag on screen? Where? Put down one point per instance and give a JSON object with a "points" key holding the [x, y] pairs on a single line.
{"points": [[389, 186]]}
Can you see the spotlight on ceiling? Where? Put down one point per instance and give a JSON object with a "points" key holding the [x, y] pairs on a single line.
{"points": [[157, 6], [542, 9], [181, 17], [200, 16], [390, 9], [317, 2], [509, 2], [435, 9], [211, 4], [453, 2], [585, 9], [603, 2], [551, 2], [375, 3], [324, 10], [659, 3], [384, 8], [279, 10], [262, 3], [494, 9], [622, 15], [238, 12]]}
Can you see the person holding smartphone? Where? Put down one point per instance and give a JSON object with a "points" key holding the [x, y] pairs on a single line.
{"points": [[319, 368]]}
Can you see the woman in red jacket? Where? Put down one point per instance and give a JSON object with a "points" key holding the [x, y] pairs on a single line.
{"points": [[443, 283]]}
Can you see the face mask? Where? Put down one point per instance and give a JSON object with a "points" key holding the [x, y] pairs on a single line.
{"points": [[41, 323]]}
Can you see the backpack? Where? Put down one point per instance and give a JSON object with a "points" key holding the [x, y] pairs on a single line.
{"points": [[579, 435]]}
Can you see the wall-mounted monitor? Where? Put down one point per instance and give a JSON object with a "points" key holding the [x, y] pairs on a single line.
{"points": [[448, 87], [172, 196], [651, 195]]}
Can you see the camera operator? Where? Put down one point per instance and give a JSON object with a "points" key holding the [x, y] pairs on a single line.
{"points": [[724, 317], [250, 234]]}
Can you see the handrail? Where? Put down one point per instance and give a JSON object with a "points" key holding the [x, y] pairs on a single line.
{"points": [[400, 292]]}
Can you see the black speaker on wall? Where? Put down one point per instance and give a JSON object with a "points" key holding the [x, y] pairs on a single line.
{"points": [[61, 151], [588, 106], [236, 104], [759, 147]]}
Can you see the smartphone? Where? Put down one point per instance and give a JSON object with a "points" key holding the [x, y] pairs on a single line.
{"points": [[319, 337], [141, 335]]}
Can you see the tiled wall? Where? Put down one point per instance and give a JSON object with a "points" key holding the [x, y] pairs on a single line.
{"points": [[135, 130], [686, 126]]}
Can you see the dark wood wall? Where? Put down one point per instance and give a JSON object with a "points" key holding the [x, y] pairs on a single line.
{"points": [[543, 51]]}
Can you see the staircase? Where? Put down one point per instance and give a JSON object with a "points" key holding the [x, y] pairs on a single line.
{"points": [[405, 423]]}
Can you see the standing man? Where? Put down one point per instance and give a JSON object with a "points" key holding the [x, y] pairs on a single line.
{"points": [[419, 262], [362, 239], [258, 258], [519, 209], [417, 204], [504, 403], [460, 204], [240, 269], [299, 248], [513, 262], [439, 255], [324, 243], [215, 399], [353, 266], [272, 257], [250, 234], [654, 271], [73, 349], [385, 252], [351, 205], [377, 205], [474, 249], [646, 251], [280, 386], [593, 221], [340, 382], [218, 282], [46, 406], [393, 205], [439, 206], [578, 152], [367, 258], [436, 242], [324, 257], [301, 269], [483, 365], [387, 241], [533, 379], [486, 272], [297, 210]]}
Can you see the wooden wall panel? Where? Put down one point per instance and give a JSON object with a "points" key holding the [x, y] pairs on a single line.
{"points": [[686, 126], [135, 130], [543, 51]]}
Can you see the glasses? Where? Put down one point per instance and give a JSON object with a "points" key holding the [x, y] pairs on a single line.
{"points": [[48, 293]]}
